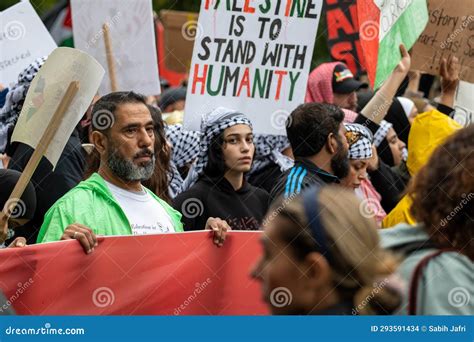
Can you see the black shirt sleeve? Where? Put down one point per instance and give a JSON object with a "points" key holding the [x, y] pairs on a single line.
{"points": [[445, 109], [362, 120]]}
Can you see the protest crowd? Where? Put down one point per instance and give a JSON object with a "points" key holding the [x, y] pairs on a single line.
{"points": [[362, 196]]}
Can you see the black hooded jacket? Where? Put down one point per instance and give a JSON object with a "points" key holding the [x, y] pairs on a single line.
{"points": [[243, 209]]}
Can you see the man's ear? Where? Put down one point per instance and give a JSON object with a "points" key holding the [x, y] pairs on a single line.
{"points": [[331, 143], [99, 140]]}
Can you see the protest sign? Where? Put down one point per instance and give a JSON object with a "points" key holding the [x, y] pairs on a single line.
{"points": [[383, 26], [464, 104], [131, 38], [178, 47], [23, 38], [343, 34], [171, 274], [63, 66], [253, 57], [450, 31]]}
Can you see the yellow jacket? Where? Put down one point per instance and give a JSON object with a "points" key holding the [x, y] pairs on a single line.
{"points": [[428, 131]]}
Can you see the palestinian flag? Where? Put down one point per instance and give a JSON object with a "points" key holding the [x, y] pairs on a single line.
{"points": [[59, 23], [383, 26]]}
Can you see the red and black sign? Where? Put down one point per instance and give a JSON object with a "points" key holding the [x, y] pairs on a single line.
{"points": [[343, 34]]}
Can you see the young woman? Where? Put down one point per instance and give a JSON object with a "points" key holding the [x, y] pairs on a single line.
{"points": [[217, 187], [361, 157], [322, 257]]}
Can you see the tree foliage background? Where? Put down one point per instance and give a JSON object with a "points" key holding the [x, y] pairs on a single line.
{"points": [[321, 51]]}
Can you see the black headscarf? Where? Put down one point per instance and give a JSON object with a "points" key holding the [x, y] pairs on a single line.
{"points": [[397, 117]]}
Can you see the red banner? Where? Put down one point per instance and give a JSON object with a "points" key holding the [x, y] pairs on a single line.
{"points": [[343, 34], [170, 274]]}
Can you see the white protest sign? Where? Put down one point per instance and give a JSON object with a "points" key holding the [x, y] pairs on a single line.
{"points": [[464, 104], [63, 66], [132, 41], [251, 56], [23, 38]]}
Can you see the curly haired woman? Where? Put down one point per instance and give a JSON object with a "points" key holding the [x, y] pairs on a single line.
{"points": [[439, 251]]}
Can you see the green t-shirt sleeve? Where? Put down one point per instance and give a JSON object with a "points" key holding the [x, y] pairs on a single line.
{"points": [[55, 222]]}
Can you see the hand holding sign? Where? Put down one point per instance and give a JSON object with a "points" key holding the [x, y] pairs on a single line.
{"points": [[449, 72]]}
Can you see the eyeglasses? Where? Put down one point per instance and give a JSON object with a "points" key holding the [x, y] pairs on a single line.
{"points": [[352, 137]]}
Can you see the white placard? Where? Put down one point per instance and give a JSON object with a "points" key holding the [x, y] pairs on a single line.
{"points": [[132, 40], [252, 56], [23, 38], [46, 91]]}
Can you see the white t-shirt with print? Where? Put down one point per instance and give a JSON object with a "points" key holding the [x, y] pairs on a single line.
{"points": [[145, 214]]}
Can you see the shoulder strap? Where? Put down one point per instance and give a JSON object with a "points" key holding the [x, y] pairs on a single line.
{"points": [[415, 280], [410, 247]]}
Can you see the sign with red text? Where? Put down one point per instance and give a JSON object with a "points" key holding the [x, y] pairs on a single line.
{"points": [[343, 34], [254, 57], [167, 274]]}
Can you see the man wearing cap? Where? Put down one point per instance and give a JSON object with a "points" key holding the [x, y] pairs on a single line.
{"points": [[333, 83]]}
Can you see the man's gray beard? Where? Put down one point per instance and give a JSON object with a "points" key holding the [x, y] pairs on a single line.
{"points": [[127, 170]]}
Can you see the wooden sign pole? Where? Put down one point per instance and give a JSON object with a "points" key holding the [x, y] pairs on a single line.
{"points": [[110, 57], [38, 153]]}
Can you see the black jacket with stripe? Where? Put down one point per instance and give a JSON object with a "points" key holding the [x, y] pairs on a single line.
{"points": [[301, 176]]}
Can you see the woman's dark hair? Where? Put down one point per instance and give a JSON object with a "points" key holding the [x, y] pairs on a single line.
{"points": [[215, 158], [158, 183], [443, 193]]}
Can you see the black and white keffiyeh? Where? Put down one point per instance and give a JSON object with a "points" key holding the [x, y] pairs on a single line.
{"points": [[268, 149], [10, 112], [362, 147], [184, 144], [382, 132], [212, 124]]}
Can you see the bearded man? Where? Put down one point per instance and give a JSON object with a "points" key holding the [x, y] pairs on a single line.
{"points": [[317, 137], [113, 201]]}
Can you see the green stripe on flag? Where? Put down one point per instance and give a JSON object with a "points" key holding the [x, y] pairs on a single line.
{"points": [[406, 30]]}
